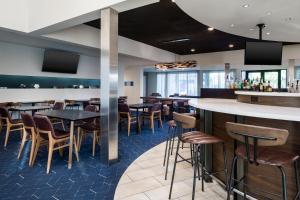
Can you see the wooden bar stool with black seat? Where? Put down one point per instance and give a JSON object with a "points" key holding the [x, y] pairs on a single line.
{"points": [[198, 140], [29, 133], [171, 134], [10, 124], [185, 123], [258, 148]]}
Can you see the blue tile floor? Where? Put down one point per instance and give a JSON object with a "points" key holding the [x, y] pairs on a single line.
{"points": [[88, 179]]}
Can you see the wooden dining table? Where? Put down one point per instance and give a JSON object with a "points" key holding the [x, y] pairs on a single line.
{"points": [[33, 109], [72, 116]]}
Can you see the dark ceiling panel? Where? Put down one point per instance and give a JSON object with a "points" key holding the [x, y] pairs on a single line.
{"points": [[158, 23]]}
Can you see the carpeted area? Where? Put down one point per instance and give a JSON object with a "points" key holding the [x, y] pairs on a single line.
{"points": [[88, 179]]}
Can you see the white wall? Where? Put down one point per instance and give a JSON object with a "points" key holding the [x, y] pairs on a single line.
{"points": [[25, 60], [90, 37], [136, 75], [13, 15], [216, 60]]}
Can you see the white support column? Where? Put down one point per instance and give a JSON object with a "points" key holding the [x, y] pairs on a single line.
{"points": [[109, 85]]}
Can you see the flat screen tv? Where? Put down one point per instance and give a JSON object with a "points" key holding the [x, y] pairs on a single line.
{"points": [[60, 61], [263, 53]]}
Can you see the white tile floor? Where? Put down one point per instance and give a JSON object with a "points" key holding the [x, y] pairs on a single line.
{"points": [[144, 180]]}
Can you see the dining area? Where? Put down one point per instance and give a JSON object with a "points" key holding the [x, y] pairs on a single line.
{"points": [[53, 124]]}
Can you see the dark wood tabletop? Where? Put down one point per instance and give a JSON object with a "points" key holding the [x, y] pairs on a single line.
{"points": [[95, 103], [140, 105], [71, 115], [28, 108]]}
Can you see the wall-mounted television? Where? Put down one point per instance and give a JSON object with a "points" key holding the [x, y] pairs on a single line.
{"points": [[60, 61], [263, 53]]}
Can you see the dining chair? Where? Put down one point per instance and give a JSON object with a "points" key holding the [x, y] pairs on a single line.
{"points": [[58, 106], [29, 133], [152, 114], [89, 126], [125, 116], [57, 139], [10, 124], [71, 104]]}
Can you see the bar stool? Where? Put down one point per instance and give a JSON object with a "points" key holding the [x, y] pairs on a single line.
{"points": [[185, 123], [198, 140], [170, 140], [256, 149]]}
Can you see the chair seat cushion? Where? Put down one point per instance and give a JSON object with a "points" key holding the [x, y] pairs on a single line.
{"points": [[90, 126], [17, 121], [197, 137], [60, 134], [268, 155]]}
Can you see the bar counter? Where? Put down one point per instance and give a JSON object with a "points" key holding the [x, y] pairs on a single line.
{"points": [[214, 113]]}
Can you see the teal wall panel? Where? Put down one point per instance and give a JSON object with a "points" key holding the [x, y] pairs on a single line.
{"points": [[14, 81]]}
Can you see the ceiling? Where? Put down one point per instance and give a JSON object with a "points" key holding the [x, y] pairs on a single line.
{"points": [[161, 23], [282, 17]]}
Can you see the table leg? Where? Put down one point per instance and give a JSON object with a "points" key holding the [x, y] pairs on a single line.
{"points": [[71, 144], [138, 120]]}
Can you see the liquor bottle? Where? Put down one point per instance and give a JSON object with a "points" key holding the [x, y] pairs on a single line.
{"points": [[261, 86], [269, 87]]}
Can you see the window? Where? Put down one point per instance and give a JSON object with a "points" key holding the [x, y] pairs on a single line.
{"points": [[214, 79], [297, 72], [161, 83], [182, 83], [277, 78]]}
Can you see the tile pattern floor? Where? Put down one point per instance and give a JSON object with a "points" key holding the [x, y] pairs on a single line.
{"points": [[88, 179], [144, 180]]}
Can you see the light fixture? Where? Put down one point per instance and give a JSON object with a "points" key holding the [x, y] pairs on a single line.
{"points": [[246, 6], [268, 33], [173, 1], [176, 65], [193, 50], [210, 28], [269, 13], [177, 40], [251, 29], [231, 45], [231, 25]]}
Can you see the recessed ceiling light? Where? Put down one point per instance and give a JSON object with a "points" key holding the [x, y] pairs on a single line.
{"points": [[173, 1], [231, 25], [246, 6], [210, 28], [230, 45], [193, 50], [251, 29], [269, 13], [268, 33]]}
